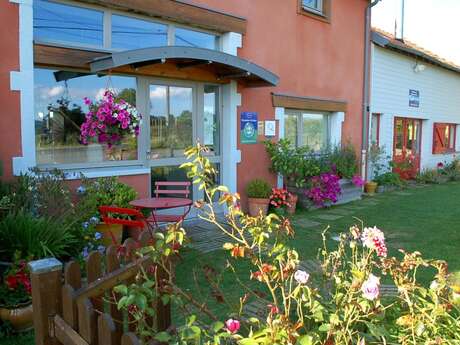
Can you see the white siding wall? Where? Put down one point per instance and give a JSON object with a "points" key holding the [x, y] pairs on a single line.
{"points": [[392, 77]]}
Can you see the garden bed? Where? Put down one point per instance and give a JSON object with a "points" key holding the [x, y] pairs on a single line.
{"points": [[349, 192]]}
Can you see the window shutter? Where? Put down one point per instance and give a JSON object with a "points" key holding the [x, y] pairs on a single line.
{"points": [[439, 144]]}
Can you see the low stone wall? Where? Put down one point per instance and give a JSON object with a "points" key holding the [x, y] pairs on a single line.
{"points": [[350, 192]]}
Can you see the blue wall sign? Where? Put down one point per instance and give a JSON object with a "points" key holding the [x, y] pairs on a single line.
{"points": [[414, 98], [248, 127]]}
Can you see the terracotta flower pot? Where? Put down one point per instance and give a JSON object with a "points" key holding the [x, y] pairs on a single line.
{"points": [[370, 187], [257, 205], [107, 230], [293, 202], [20, 317]]}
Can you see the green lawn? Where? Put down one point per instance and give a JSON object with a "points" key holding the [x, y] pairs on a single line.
{"points": [[425, 219]]}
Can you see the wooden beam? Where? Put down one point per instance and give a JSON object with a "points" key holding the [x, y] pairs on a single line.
{"points": [[65, 334], [308, 103], [110, 280], [46, 55], [179, 11]]}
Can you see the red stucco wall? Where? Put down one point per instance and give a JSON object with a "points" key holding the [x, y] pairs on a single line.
{"points": [[10, 118], [312, 59]]}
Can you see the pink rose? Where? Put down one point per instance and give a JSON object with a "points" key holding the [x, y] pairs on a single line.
{"points": [[232, 325], [371, 288]]}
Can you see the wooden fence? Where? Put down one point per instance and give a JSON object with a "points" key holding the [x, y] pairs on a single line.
{"points": [[70, 312]]}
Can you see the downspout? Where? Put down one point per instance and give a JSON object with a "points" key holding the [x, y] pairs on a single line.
{"points": [[365, 133]]}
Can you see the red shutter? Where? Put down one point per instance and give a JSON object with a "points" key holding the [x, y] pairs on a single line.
{"points": [[439, 144]]}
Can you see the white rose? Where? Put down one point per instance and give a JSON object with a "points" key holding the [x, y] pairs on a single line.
{"points": [[301, 277]]}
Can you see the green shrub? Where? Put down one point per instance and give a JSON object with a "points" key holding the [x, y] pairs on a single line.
{"points": [[108, 191], [389, 179], [344, 160], [42, 193], [299, 164], [34, 237], [428, 176], [258, 189]]}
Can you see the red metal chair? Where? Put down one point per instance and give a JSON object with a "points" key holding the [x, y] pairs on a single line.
{"points": [[171, 189], [124, 216]]}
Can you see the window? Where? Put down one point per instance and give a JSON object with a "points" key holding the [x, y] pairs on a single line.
{"points": [[318, 9], [171, 126], [132, 33], [307, 129], [59, 111], [191, 38], [211, 121], [313, 5], [60, 23], [375, 129], [55, 22], [444, 137]]}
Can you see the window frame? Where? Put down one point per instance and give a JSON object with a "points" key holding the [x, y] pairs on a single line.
{"points": [[107, 28], [443, 149], [299, 124], [377, 116], [323, 15]]}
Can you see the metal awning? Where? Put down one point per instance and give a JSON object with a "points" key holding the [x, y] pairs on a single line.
{"points": [[224, 66]]}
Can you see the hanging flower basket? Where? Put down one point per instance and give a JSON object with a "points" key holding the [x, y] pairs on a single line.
{"points": [[109, 121]]}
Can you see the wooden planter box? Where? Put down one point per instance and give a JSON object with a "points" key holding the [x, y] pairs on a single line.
{"points": [[350, 193]]}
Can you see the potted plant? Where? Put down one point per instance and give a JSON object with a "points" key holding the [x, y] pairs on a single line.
{"points": [[107, 191], [15, 296], [109, 121], [258, 192], [282, 202], [378, 164]]}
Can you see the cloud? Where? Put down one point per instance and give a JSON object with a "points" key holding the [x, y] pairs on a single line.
{"points": [[158, 92], [55, 91]]}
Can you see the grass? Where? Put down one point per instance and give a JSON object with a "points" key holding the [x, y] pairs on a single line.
{"points": [[424, 219]]}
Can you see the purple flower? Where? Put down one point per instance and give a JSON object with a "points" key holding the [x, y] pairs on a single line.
{"points": [[371, 288], [81, 190], [357, 181], [85, 252], [97, 235], [101, 249]]}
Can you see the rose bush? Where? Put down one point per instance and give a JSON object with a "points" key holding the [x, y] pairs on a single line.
{"points": [[343, 303]]}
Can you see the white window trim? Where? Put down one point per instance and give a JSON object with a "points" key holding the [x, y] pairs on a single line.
{"points": [[107, 28]]}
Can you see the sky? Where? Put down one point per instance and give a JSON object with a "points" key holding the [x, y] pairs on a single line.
{"points": [[431, 24]]}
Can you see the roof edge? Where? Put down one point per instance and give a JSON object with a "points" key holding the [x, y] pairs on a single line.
{"points": [[382, 41]]}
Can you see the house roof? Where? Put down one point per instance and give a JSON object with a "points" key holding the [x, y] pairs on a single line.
{"points": [[387, 40]]}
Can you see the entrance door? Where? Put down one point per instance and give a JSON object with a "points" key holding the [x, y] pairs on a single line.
{"points": [[406, 146], [179, 115]]}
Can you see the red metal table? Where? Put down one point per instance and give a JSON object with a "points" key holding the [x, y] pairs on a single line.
{"points": [[155, 204]]}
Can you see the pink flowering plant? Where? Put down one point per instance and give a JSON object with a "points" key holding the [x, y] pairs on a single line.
{"points": [[344, 302], [324, 189], [109, 120]]}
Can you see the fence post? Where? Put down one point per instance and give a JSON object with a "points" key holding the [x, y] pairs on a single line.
{"points": [[45, 276]]}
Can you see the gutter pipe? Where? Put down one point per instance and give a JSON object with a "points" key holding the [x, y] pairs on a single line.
{"points": [[366, 87]]}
